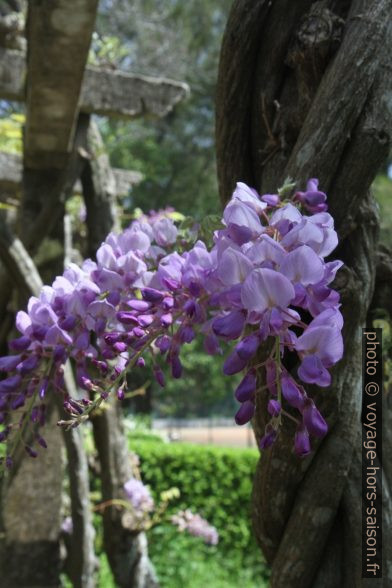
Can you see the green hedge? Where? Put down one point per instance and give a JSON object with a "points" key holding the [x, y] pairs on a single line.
{"points": [[215, 482]]}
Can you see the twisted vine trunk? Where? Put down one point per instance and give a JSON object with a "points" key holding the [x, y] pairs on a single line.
{"points": [[303, 91]]}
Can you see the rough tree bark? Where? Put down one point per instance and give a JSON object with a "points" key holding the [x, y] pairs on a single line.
{"points": [[304, 91], [81, 562], [44, 539], [39, 548], [126, 549]]}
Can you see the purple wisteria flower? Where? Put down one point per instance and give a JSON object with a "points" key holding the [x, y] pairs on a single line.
{"points": [[195, 525], [313, 199], [139, 496], [150, 292]]}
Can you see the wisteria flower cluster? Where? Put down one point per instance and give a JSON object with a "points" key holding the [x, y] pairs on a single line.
{"points": [[195, 525], [153, 287], [142, 505], [145, 513], [139, 497]]}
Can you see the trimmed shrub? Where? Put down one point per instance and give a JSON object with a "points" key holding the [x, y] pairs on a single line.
{"points": [[215, 482]]}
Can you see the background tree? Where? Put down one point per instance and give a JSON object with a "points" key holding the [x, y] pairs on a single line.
{"points": [[58, 149], [175, 154], [303, 92]]}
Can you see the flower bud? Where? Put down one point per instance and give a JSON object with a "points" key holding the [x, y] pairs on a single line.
{"points": [[18, 401], [9, 363], [233, 364], [159, 376], [30, 451], [301, 442], [68, 323], [138, 332], [166, 320], [269, 437], [86, 383], [247, 348], [176, 367], [313, 420], [140, 305], [145, 320], [20, 344], [229, 326], [163, 343], [28, 365], [127, 318], [274, 407], [10, 384], [292, 393], [42, 442], [120, 347], [245, 412], [247, 387], [152, 295], [168, 302], [186, 334]]}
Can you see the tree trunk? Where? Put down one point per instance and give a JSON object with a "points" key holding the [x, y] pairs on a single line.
{"points": [[303, 92], [126, 549], [81, 562], [31, 552]]}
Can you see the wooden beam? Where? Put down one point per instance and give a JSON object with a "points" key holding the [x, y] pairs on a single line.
{"points": [[125, 179], [10, 173], [115, 93], [58, 38], [106, 92], [11, 166]]}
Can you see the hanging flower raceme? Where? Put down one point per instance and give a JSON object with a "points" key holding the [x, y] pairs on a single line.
{"points": [[195, 525], [140, 499], [156, 285]]}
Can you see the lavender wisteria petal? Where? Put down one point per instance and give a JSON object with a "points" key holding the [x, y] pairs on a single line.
{"points": [[155, 286], [242, 222], [303, 266], [249, 197], [233, 267], [265, 289]]}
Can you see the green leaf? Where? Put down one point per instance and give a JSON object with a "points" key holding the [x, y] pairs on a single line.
{"points": [[287, 188], [210, 224], [187, 223]]}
